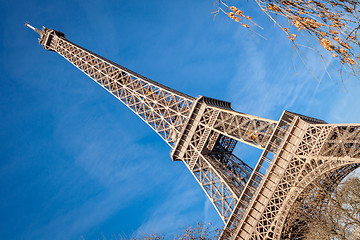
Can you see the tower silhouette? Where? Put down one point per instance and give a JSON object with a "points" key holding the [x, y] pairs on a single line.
{"points": [[301, 155]]}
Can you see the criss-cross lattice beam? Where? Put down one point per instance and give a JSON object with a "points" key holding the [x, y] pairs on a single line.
{"points": [[162, 108], [257, 177], [219, 192], [205, 168], [343, 140], [312, 201], [252, 130], [210, 134], [307, 151]]}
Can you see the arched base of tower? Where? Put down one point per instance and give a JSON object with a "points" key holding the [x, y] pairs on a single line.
{"points": [[313, 202]]}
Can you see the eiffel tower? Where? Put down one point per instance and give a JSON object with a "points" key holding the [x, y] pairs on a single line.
{"points": [[301, 155]]}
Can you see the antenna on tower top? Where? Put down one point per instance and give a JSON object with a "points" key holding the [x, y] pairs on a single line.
{"points": [[35, 29]]}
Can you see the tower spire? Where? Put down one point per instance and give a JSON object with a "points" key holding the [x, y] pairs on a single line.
{"points": [[33, 28]]}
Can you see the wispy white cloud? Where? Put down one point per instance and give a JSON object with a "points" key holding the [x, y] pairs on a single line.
{"points": [[185, 205], [265, 83], [346, 108], [80, 220], [122, 181]]}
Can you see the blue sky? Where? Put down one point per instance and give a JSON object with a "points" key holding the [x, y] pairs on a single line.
{"points": [[75, 162]]}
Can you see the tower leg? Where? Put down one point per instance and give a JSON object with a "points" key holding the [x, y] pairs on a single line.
{"points": [[308, 150]]}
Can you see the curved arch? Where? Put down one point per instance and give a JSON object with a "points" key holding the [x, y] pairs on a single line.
{"points": [[337, 170]]}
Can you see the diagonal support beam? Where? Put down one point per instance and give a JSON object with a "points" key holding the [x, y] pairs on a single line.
{"points": [[162, 108]]}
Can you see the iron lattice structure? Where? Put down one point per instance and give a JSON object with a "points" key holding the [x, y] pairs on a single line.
{"points": [[299, 153]]}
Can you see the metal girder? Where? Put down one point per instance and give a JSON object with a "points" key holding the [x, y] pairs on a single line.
{"points": [[210, 134], [311, 202], [307, 152], [254, 131], [161, 107]]}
